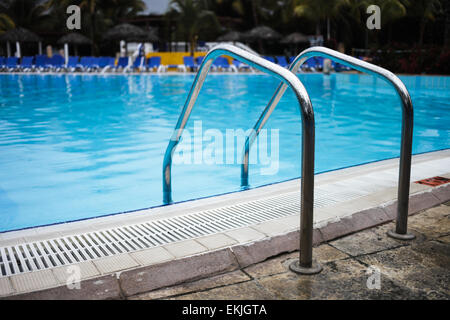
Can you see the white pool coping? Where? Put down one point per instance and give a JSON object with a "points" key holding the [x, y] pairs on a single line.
{"points": [[369, 186]]}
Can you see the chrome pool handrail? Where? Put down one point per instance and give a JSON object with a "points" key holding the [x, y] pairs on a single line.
{"points": [[407, 126], [305, 262]]}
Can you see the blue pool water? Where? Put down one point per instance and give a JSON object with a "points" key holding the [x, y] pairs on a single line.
{"points": [[81, 146]]}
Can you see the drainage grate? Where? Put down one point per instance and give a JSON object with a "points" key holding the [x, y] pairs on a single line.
{"points": [[93, 245]]}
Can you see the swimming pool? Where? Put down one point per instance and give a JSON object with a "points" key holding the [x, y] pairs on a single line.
{"points": [[81, 146]]}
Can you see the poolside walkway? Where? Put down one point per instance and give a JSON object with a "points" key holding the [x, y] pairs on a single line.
{"points": [[419, 269]]}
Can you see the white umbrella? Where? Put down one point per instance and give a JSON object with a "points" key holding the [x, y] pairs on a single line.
{"points": [[66, 53], [17, 49]]}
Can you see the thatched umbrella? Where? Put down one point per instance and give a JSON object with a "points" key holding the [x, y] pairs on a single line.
{"points": [[295, 39], [261, 33], [129, 33], [231, 36], [18, 35], [75, 39]]}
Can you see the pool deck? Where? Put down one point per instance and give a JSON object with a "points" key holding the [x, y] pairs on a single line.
{"points": [[408, 270], [248, 227]]}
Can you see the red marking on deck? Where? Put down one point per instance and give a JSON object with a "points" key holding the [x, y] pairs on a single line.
{"points": [[434, 182]]}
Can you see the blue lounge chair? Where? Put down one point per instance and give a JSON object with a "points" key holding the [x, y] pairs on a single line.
{"points": [[310, 64], [107, 63], [271, 59], [199, 60], [241, 66], [2, 62], [122, 63], [189, 62], [85, 63], [95, 63], [223, 64], [40, 62], [319, 63], [281, 60], [154, 64], [11, 63], [56, 63], [138, 64], [72, 63], [26, 64]]}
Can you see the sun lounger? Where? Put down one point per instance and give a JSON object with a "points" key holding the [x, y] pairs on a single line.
{"points": [[138, 64], [223, 64], [154, 64], [11, 63], [72, 63], [189, 62], [107, 63], [122, 64], [310, 65], [55, 63], [241, 65], [40, 62], [271, 59], [281, 60], [199, 60], [26, 64]]}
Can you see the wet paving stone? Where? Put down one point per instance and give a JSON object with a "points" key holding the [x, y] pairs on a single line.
{"points": [[203, 284], [419, 267], [433, 223], [345, 279], [250, 290], [272, 266], [368, 241]]}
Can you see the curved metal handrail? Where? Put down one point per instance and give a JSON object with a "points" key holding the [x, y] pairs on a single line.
{"points": [[308, 131], [407, 125]]}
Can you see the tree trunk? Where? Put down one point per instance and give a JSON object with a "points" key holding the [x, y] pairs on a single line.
{"points": [[93, 46], [328, 28], [447, 24], [192, 46], [255, 14], [421, 32], [390, 33]]}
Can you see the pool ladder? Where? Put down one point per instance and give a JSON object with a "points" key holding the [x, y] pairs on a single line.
{"points": [[305, 264]]}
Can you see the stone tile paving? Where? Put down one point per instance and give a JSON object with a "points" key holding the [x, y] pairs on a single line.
{"points": [[408, 270]]}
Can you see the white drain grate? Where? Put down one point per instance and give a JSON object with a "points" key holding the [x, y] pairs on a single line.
{"points": [[93, 245]]}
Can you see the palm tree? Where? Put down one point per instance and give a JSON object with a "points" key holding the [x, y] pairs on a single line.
{"points": [[29, 14], [318, 11], [192, 18], [6, 23], [425, 11], [392, 10]]}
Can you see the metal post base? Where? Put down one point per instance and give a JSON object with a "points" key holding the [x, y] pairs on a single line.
{"points": [[398, 236], [314, 269]]}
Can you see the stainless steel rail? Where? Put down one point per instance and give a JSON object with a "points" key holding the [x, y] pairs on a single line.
{"points": [[407, 126], [305, 263]]}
